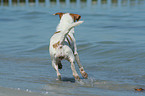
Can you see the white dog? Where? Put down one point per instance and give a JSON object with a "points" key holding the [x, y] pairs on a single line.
{"points": [[63, 44]]}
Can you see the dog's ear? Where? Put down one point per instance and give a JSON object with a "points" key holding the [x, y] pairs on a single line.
{"points": [[60, 14], [76, 17]]}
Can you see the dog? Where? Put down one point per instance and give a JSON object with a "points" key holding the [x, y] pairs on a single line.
{"points": [[63, 44]]}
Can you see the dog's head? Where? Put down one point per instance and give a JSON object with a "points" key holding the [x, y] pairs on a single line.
{"points": [[75, 17]]}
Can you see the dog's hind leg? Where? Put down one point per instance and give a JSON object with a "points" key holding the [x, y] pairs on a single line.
{"points": [[59, 65], [75, 74], [55, 66]]}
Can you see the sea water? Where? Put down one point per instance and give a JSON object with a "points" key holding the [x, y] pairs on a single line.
{"points": [[110, 42]]}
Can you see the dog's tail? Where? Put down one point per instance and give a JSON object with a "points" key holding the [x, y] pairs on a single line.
{"points": [[67, 30]]}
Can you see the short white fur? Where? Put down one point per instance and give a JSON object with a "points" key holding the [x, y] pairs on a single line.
{"points": [[60, 49]]}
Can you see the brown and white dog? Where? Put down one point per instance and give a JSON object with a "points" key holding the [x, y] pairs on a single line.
{"points": [[63, 44]]}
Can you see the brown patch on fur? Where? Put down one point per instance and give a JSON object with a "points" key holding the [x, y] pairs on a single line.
{"points": [[59, 13], [75, 17], [60, 47], [82, 69], [68, 41], [56, 44], [57, 32], [70, 37]]}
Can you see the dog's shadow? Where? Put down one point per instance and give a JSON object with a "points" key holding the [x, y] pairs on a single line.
{"points": [[68, 79]]}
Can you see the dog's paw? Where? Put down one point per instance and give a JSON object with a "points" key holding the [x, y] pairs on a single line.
{"points": [[77, 78], [84, 74], [58, 77]]}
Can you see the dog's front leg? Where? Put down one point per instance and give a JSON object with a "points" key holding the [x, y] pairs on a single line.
{"points": [[83, 73], [55, 66]]}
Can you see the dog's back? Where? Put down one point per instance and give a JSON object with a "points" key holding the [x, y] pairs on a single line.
{"points": [[57, 40], [65, 21]]}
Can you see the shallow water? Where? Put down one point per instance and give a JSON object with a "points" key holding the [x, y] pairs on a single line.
{"points": [[110, 44]]}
